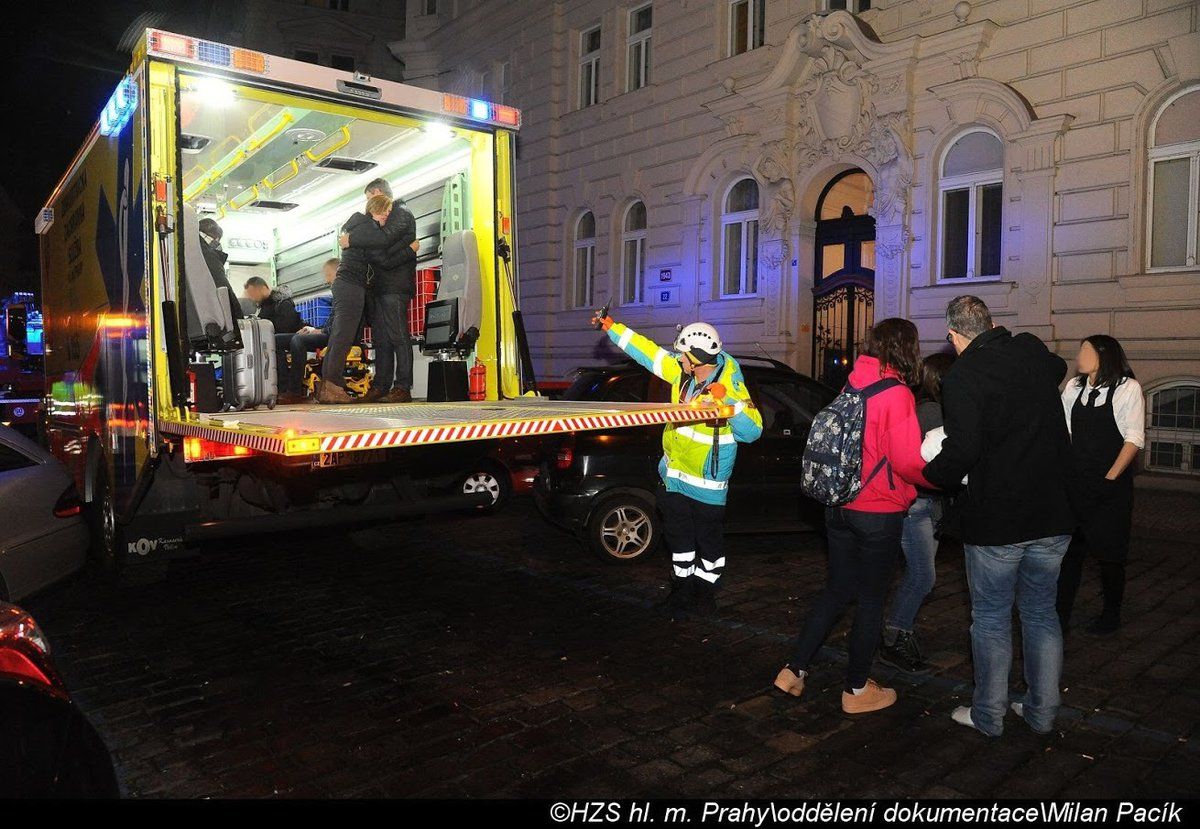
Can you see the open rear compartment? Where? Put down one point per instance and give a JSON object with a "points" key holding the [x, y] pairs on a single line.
{"points": [[281, 173]]}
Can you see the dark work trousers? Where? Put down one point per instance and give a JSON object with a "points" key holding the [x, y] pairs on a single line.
{"points": [[299, 346], [863, 550], [695, 536], [393, 348], [348, 302], [282, 341]]}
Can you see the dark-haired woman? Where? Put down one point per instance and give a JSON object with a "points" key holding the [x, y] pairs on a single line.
{"points": [[1106, 414], [919, 537], [864, 535]]}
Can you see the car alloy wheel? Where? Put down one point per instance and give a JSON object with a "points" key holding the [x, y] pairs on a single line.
{"points": [[484, 481], [626, 531]]}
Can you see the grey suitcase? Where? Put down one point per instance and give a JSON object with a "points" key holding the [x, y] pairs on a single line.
{"points": [[249, 375]]}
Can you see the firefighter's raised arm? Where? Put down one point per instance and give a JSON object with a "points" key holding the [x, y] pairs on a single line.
{"points": [[645, 352]]}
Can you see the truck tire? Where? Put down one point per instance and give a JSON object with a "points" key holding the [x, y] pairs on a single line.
{"points": [[624, 528], [108, 540]]}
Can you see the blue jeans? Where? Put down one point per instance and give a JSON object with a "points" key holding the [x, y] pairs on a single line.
{"points": [[920, 550], [1027, 574]]}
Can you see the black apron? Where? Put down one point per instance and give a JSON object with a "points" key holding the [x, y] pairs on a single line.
{"points": [[1104, 509]]}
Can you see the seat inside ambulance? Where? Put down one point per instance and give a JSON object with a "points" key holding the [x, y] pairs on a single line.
{"points": [[281, 174]]}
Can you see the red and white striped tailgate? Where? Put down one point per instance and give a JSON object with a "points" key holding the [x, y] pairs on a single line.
{"points": [[307, 430]]}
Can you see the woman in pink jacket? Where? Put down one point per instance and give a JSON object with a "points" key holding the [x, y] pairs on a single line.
{"points": [[864, 535]]}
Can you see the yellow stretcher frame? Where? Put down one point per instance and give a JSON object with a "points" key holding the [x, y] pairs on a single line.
{"points": [[239, 428]]}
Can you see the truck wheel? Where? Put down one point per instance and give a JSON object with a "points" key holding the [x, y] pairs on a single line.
{"points": [[624, 528], [489, 478], [108, 541]]}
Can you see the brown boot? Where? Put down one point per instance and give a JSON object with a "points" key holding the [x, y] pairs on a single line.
{"points": [[333, 393], [398, 396], [789, 682], [373, 395], [873, 698]]}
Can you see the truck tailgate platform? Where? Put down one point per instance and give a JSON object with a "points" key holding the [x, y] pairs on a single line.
{"points": [[309, 429]]}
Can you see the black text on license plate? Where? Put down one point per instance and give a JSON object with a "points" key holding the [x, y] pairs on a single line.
{"points": [[329, 459]]}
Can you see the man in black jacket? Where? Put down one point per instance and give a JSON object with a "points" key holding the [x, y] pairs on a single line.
{"points": [[1005, 432], [391, 291]]}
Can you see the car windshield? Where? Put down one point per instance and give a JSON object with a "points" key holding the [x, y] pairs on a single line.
{"points": [[802, 398], [587, 385]]}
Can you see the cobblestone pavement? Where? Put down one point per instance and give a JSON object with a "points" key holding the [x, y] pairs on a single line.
{"points": [[492, 656]]}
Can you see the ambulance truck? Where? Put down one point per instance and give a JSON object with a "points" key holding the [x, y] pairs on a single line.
{"points": [[278, 152]]}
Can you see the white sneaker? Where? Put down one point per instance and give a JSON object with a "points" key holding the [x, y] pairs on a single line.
{"points": [[962, 716]]}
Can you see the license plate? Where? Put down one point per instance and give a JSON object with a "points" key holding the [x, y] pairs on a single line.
{"points": [[330, 459]]}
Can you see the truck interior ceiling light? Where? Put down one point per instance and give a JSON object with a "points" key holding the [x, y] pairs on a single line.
{"points": [[438, 130], [120, 107], [214, 91]]}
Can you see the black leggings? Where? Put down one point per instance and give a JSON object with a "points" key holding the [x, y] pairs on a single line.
{"points": [[863, 550]]}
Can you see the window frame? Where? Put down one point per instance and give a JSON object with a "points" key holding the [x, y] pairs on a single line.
{"points": [[1172, 152], [852, 6], [590, 60], [637, 238], [633, 39], [580, 244], [754, 8], [974, 183], [742, 217], [1190, 459]]}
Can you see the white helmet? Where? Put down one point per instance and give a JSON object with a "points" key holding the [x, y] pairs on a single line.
{"points": [[700, 340]]}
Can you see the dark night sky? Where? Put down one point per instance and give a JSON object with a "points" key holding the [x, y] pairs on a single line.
{"points": [[61, 62]]}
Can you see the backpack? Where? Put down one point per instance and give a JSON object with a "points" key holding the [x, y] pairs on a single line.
{"points": [[831, 470]]}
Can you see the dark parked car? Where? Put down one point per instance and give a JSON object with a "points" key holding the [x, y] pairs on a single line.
{"points": [[602, 484], [47, 746]]}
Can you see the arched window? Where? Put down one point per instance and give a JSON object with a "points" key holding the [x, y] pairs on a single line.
{"points": [[584, 272], [1174, 183], [633, 254], [739, 239], [970, 195], [1173, 436]]}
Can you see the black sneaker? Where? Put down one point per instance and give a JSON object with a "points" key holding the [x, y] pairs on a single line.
{"points": [[903, 654]]}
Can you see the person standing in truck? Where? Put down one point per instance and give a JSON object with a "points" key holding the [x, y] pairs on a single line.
{"points": [[698, 458], [391, 291]]}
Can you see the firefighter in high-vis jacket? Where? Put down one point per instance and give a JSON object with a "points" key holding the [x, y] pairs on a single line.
{"points": [[697, 458]]}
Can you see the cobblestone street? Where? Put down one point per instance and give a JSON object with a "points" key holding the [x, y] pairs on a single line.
{"points": [[493, 656]]}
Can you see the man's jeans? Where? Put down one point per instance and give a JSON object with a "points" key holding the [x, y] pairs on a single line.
{"points": [[1027, 574], [349, 299], [393, 347]]}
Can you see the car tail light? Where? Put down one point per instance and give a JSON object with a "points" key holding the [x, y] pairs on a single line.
{"points": [[24, 651], [566, 454], [69, 504]]}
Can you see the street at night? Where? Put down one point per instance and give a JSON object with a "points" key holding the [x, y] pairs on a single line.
{"points": [[493, 656]]}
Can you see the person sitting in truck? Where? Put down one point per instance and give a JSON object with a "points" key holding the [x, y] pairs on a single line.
{"points": [[697, 458], [275, 305], [307, 339], [215, 258], [363, 235]]}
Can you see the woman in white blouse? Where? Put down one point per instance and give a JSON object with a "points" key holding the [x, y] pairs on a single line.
{"points": [[1106, 414]]}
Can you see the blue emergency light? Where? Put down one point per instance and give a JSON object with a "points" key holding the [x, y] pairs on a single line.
{"points": [[480, 110], [120, 107]]}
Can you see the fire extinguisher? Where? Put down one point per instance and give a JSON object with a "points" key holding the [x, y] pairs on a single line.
{"points": [[477, 385]]}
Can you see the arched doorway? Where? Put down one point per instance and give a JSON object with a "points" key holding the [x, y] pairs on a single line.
{"points": [[844, 275]]}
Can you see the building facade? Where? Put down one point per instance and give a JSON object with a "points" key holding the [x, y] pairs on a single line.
{"points": [[790, 170]]}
